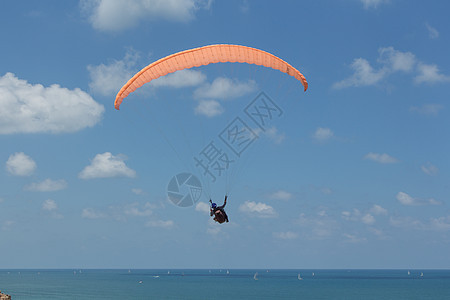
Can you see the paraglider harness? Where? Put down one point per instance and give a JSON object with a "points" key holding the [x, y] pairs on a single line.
{"points": [[220, 216]]}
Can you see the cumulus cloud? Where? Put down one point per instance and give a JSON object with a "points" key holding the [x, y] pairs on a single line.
{"points": [[372, 3], [288, 235], [259, 209], [48, 185], [209, 108], [430, 74], [323, 134], [364, 75], [180, 79], [117, 15], [378, 210], [134, 210], [107, 165], [225, 88], [90, 213], [20, 164], [49, 205], [319, 226], [432, 32], [280, 195], [28, 108], [107, 79], [406, 199], [138, 191], [368, 219], [160, 224], [427, 109], [440, 224], [273, 134], [202, 207], [429, 169], [381, 158], [390, 61]]}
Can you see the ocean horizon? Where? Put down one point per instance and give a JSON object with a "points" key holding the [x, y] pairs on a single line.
{"points": [[226, 283]]}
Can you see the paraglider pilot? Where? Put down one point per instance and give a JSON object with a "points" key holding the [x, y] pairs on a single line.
{"points": [[219, 213]]}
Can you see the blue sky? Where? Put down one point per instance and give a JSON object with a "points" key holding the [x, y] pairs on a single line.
{"points": [[354, 173]]}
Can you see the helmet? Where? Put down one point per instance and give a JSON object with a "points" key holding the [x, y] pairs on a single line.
{"points": [[213, 205]]}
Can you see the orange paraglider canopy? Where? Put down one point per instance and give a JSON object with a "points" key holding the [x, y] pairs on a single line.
{"points": [[204, 56]]}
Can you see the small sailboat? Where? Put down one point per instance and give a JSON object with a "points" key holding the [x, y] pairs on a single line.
{"points": [[421, 274], [228, 272], [255, 277], [299, 277], [313, 274], [409, 273], [168, 272]]}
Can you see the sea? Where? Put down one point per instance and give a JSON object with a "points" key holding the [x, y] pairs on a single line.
{"points": [[225, 284]]}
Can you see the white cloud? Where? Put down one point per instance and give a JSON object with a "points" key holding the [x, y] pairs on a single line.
{"points": [[406, 199], [107, 165], [378, 210], [225, 88], [318, 227], [160, 224], [353, 238], [20, 164], [368, 219], [427, 109], [28, 108], [49, 205], [440, 224], [258, 209], [179, 79], [90, 213], [280, 195], [202, 207], [395, 60], [138, 191], [372, 3], [288, 235], [118, 15], [134, 211], [209, 108], [391, 61], [273, 134], [381, 158], [432, 32], [429, 74], [47, 185], [364, 75], [107, 79], [323, 134], [429, 169]]}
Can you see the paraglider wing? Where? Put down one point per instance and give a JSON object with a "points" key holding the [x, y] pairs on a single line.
{"points": [[203, 56]]}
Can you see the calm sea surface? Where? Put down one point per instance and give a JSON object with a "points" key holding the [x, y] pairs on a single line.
{"points": [[226, 284]]}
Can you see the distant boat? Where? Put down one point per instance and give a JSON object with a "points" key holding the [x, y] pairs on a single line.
{"points": [[168, 272], [156, 276], [313, 274], [255, 276], [129, 271], [140, 281], [299, 277], [228, 272], [409, 273], [421, 274]]}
